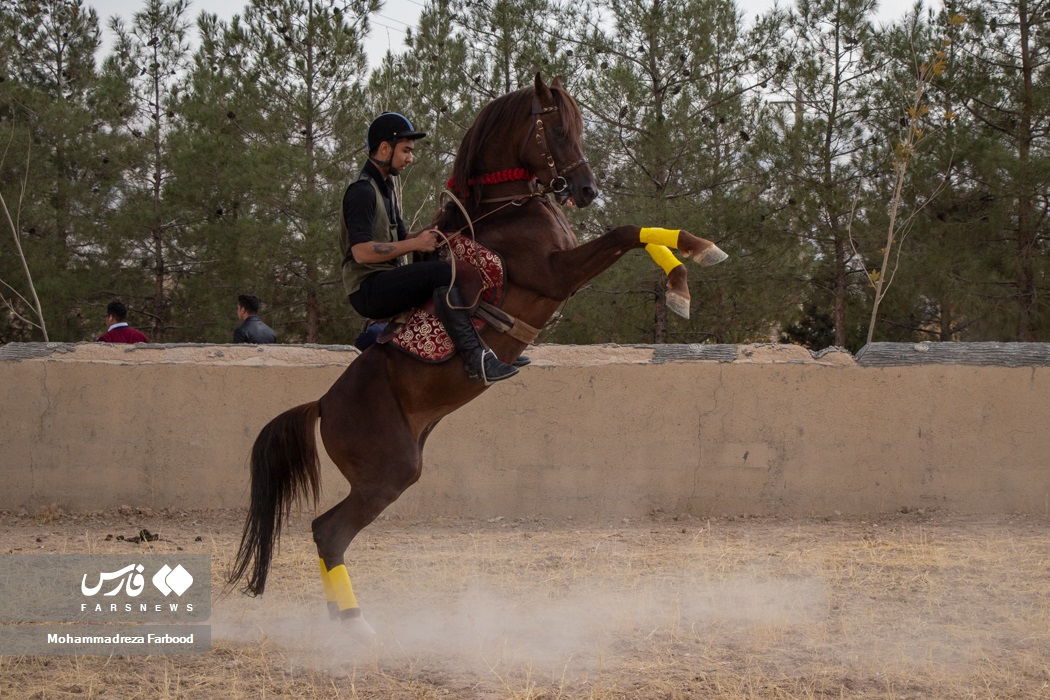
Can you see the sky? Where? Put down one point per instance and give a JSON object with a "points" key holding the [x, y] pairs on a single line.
{"points": [[388, 27]]}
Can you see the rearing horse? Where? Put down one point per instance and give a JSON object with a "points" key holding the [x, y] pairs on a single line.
{"points": [[377, 416]]}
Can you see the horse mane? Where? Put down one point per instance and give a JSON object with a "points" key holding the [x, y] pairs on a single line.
{"points": [[492, 126]]}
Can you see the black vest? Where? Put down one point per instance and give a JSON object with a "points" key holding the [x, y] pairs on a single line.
{"points": [[383, 231]]}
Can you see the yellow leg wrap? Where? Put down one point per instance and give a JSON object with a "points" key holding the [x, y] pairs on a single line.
{"points": [[663, 257], [659, 236], [329, 593], [342, 591]]}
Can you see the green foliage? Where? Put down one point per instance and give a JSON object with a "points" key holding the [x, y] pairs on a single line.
{"points": [[426, 84], [51, 177], [281, 87], [1004, 90], [151, 245], [677, 136], [829, 54], [937, 242], [197, 163], [508, 42]]}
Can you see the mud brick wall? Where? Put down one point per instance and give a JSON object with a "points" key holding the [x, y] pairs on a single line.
{"points": [[586, 431]]}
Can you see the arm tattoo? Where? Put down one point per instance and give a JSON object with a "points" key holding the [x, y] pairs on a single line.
{"points": [[383, 248]]}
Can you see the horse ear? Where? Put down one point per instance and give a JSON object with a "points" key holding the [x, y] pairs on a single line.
{"points": [[542, 91], [556, 83]]}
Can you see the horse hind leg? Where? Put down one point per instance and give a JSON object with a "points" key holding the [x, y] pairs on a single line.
{"points": [[366, 434], [699, 250], [335, 529]]}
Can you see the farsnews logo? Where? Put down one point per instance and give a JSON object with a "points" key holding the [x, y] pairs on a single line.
{"points": [[169, 580], [139, 587], [166, 580], [131, 581]]}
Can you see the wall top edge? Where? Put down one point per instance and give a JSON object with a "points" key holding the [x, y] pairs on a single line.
{"points": [[988, 354], [180, 353], [873, 355]]}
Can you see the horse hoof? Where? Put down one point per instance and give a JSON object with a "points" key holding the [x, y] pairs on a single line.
{"points": [[677, 303], [359, 629], [712, 255]]}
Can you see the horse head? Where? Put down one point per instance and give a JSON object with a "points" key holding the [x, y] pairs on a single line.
{"points": [[535, 132], [554, 153]]}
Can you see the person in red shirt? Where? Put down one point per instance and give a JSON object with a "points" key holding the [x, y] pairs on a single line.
{"points": [[119, 330]]}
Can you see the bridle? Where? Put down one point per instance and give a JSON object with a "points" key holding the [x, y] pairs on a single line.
{"points": [[558, 184]]}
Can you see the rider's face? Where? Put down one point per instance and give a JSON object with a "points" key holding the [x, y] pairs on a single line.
{"points": [[403, 155]]}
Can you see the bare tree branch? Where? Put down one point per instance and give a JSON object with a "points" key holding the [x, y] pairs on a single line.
{"points": [[18, 246]]}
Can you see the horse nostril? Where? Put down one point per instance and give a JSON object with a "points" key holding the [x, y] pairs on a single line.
{"points": [[590, 192]]}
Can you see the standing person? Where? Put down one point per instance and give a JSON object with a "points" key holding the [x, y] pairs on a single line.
{"points": [[119, 331], [373, 237], [252, 329]]}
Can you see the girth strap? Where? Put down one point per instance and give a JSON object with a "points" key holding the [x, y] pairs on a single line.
{"points": [[505, 323]]}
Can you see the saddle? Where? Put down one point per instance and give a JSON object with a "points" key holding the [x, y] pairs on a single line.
{"points": [[419, 332]]}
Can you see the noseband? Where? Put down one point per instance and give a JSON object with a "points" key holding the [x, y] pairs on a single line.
{"points": [[558, 183]]}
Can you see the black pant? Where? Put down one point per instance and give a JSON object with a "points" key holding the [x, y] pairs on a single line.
{"points": [[388, 293]]}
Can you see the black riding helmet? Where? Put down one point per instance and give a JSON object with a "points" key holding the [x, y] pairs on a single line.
{"points": [[390, 126]]}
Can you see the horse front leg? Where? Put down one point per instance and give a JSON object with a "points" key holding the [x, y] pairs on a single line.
{"points": [[574, 268], [699, 250], [677, 296]]}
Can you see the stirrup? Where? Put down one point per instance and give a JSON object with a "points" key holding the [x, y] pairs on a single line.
{"points": [[489, 369]]}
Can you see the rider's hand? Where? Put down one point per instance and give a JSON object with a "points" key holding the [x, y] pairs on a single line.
{"points": [[427, 240]]}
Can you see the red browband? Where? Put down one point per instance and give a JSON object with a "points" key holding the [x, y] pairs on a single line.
{"points": [[511, 175]]}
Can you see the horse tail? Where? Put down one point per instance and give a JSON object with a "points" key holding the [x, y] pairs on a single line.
{"points": [[284, 469]]}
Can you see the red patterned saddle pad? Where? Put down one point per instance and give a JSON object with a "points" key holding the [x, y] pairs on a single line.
{"points": [[423, 334]]}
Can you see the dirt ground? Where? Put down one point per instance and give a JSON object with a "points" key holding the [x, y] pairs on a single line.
{"points": [[904, 605]]}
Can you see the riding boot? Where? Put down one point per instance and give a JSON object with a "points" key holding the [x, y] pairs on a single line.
{"points": [[481, 364]]}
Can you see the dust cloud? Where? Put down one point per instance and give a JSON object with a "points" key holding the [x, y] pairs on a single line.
{"points": [[485, 627]]}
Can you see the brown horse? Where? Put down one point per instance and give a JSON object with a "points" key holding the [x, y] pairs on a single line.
{"points": [[377, 416]]}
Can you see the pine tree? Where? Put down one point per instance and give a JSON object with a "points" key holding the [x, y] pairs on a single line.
{"points": [[508, 42], [53, 137], [214, 186], [675, 138], [830, 53], [1008, 99], [426, 83], [301, 66], [147, 70]]}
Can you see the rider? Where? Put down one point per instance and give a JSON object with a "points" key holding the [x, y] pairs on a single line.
{"points": [[373, 238]]}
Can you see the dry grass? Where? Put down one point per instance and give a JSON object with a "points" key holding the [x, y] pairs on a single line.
{"points": [[902, 606]]}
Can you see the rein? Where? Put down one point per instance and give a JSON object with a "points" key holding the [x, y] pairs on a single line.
{"points": [[447, 237], [490, 314]]}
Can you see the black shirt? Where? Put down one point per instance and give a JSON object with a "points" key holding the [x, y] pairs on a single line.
{"points": [[359, 204]]}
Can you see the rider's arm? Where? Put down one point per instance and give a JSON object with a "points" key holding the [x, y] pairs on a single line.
{"points": [[359, 205], [377, 252]]}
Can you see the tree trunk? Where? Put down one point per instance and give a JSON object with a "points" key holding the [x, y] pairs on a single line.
{"points": [[1026, 233], [840, 290], [159, 269], [660, 314]]}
